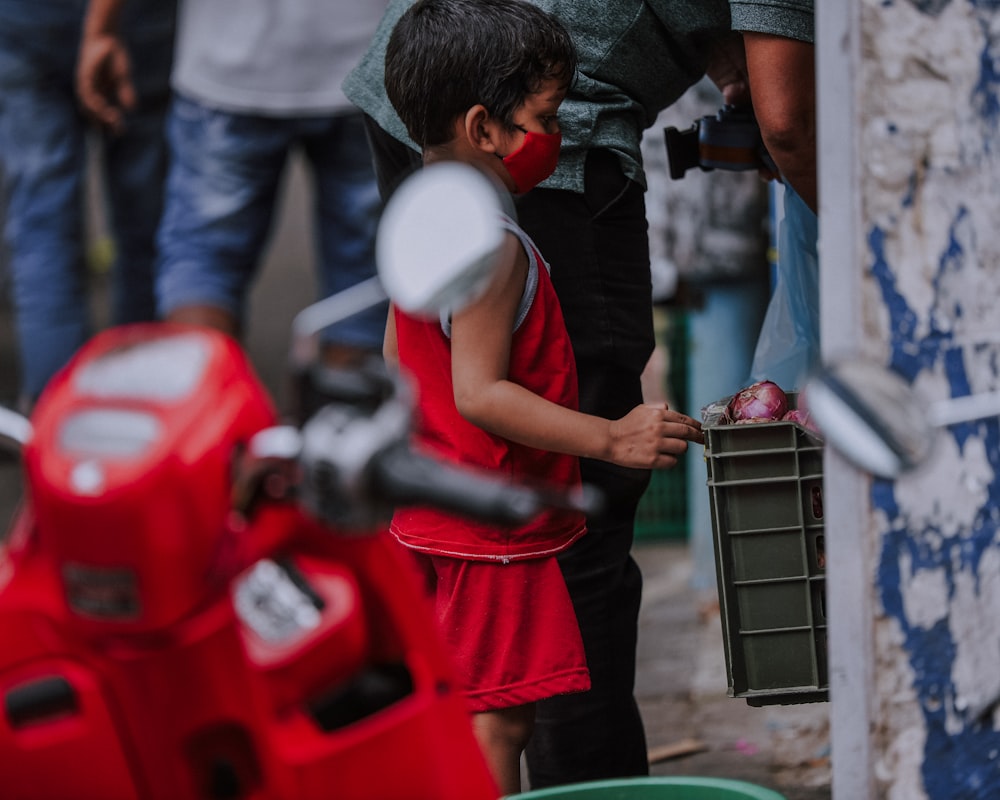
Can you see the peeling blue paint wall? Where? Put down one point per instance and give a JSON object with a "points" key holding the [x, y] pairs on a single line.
{"points": [[933, 242], [962, 744]]}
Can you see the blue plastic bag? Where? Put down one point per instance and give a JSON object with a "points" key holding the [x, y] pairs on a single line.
{"points": [[788, 344]]}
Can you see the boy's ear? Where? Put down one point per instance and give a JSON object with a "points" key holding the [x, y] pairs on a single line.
{"points": [[481, 129]]}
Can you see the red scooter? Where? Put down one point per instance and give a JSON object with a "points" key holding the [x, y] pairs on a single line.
{"points": [[197, 602]]}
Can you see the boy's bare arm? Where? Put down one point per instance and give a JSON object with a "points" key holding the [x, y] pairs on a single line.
{"points": [[648, 436]]}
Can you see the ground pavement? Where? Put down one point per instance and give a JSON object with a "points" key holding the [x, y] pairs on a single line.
{"points": [[691, 722]]}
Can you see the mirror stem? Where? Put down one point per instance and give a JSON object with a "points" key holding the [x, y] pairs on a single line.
{"points": [[15, 430], [336, 308], [963, 409]]}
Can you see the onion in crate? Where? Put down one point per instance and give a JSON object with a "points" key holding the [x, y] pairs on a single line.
{"points": [[802, 417], [763, 401]]}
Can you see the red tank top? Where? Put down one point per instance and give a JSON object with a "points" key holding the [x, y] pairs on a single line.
{"points": [[541, 359]]}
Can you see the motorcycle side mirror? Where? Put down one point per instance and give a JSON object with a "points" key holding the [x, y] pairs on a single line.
{"points": [[436, 247], [439, 238], [876, 419]]}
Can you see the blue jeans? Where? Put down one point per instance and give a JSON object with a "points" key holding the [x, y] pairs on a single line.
{"points": [[42, 162], [221, 196]]}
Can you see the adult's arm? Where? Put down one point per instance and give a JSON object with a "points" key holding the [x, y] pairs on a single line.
{"points": [[782, 78], [103, 72]]}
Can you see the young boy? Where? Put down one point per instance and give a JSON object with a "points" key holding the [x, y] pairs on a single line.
{"points": [[481, 81]]}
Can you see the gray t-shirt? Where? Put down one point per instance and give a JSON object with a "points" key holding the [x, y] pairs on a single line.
{"points": [[272, 57], [636, 57], [792, 19]]}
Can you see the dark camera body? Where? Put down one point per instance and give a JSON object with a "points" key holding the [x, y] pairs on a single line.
{"points": [[730, 140]]}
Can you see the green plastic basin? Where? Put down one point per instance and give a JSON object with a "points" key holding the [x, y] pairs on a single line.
{"points": [[663, 788]]}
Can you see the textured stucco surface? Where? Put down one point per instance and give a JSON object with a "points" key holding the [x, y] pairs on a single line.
{"points": [[930, 153]]}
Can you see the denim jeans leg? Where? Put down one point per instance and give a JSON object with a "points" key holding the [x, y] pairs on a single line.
{"points": [[598, 248], [136, 163], [222, 187], [135, 172], [43, 156], [347, 212]]}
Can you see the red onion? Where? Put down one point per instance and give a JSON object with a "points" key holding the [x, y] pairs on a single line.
{"points": [[802, 417], [763, 402]]}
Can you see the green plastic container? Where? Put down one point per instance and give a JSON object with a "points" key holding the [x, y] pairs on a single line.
{"points": [[663, 788], [765, 483]]}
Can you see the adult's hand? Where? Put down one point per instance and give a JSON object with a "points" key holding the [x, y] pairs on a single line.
{"points": [[727, 69], [104, 72]]}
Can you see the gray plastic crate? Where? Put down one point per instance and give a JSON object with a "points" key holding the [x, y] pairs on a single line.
{"points": [[765, 484]]}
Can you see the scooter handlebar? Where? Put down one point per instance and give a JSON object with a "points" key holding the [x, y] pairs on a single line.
{"points": [[406, 477]]}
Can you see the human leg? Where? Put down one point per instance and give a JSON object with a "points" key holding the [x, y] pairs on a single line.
{"points": [[42, 150], [136, 161], [597, 246], [502, 735], [513, 637], [347, 211], [222, 185]]}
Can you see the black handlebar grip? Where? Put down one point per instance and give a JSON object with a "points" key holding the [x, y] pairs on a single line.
{"points": [[407, 478]]}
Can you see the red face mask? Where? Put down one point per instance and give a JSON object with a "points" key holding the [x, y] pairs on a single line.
{"points": [[534, 160]]}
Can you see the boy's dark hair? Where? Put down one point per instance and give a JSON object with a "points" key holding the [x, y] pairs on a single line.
{"points": [[445, 56]]}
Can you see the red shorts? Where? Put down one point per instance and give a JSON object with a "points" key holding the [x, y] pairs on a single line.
{"points": [[510, 627]]}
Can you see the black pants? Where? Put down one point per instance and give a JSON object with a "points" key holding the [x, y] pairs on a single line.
{"points": [[597, 246]]}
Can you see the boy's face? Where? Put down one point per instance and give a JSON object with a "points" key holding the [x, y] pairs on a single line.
{"points": [[530, 150], [540, 110], [482, 139]]}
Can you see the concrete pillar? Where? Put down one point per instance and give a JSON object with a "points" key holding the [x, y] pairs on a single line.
{"points": [[909, 94]]}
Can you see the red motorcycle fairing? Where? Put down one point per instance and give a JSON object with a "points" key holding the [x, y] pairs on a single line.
{"points": [[156, 645]]}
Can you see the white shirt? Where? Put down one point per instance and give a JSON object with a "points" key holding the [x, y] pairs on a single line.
{"points": [[272, 57]]}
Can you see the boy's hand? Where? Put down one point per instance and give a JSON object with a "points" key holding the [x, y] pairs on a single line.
{"points": [[652, 436]]}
